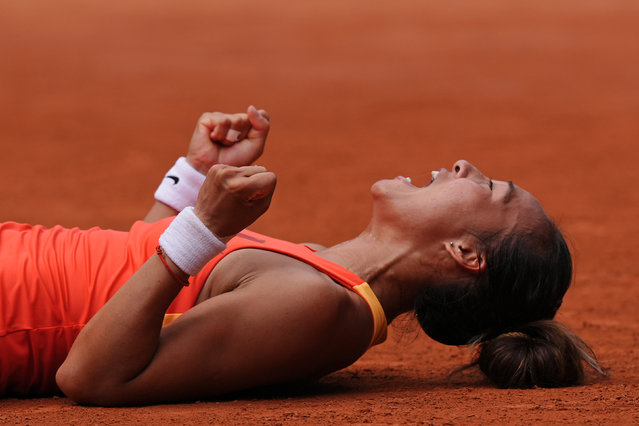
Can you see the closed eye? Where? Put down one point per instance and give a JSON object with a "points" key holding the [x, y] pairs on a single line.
{"points": [[490, 184]]}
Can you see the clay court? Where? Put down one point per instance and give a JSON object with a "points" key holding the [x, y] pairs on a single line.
{"points": [[97, 101]]}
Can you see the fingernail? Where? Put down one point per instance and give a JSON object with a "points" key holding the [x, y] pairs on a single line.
{"points": [[232, 135]]}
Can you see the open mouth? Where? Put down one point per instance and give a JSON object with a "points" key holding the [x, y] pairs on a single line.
{"points": [[409, 181], [433, 176], [406, 180]]}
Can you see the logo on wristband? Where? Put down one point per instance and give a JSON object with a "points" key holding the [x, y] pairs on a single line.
{"points": [[175, 179]]}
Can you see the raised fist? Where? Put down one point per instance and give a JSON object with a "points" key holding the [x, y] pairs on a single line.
{"points": [[232, 198], [232, 139]]}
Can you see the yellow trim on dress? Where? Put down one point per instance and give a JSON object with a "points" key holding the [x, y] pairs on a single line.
{"points": [[169, 318], [379, 317]]}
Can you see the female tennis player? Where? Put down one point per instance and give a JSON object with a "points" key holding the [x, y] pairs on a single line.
{"points": [[196, 306]]}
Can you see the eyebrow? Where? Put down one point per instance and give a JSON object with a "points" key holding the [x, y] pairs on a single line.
{"points": [[510, 192]]}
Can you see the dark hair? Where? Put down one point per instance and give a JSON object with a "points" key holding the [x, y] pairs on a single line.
{"points": [[507, 310], [542, 353]]}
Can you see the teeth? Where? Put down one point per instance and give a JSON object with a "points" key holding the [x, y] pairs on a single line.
{"points": [[434, 174]]}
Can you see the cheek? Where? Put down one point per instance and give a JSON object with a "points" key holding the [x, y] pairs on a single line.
{"points": [[459, 203], [489, 219], [469, 211]]}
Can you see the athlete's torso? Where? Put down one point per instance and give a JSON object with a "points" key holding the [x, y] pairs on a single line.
{"points": [[54, 280]]}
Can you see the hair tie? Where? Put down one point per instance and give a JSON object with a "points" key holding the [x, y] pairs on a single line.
{"points": [[514, 334]]}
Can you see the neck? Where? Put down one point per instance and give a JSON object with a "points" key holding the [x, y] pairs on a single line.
{"points": [[389, 266]]}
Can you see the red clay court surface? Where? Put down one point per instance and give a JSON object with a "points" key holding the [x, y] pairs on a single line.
{"points": [[97, 102]]}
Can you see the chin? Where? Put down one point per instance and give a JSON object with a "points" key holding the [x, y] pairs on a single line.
{"points": [[385, 206], [380, 189]]}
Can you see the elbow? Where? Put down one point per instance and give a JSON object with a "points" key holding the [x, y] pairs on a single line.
{"points": [[78, 385], [74, 384]]}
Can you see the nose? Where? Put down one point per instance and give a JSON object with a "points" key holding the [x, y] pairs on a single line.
{"points": [[463, 169]]}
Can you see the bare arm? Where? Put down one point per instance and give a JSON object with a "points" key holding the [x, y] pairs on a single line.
{"points": [[122, 343], [238, 340], [209, 146], [159, 211]]}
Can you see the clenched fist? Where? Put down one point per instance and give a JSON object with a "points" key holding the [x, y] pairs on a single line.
{"points": [[232, 139], [232, 198]]}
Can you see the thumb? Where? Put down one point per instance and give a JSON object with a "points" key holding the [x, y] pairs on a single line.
{"points": [[259, 119], [259, 186]]}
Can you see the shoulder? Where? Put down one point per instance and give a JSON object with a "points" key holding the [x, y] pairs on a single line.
{"points": [[298, 298], [331, 313], [301, 290]]}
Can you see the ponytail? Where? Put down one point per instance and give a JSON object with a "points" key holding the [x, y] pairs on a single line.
{"points": [[542, 353]]}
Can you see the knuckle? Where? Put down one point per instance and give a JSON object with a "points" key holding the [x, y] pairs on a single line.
{"points": [[207, 118], [224, 120], [216, 170], [233, 185], [226, 174], [212, 117]]}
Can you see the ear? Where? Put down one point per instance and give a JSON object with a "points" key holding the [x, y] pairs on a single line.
{"points": [[466, 256]]}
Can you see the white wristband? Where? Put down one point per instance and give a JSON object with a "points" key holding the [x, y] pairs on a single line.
{"points": [[180, 186], [189, 243]]}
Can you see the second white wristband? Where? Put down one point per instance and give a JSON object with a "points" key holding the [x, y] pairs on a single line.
{"points": [[180, 186]]}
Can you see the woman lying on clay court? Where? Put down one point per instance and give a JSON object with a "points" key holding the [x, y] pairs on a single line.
{"points": [[196, 306]]}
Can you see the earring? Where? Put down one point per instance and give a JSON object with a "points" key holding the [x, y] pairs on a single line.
{"points": [[451, 244]]}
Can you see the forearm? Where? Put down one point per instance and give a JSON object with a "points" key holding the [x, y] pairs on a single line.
{"points": [[159, 211], [121, 339]]}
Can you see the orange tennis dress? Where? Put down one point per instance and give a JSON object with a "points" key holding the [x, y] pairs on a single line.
{"points": [[53, 280]]}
